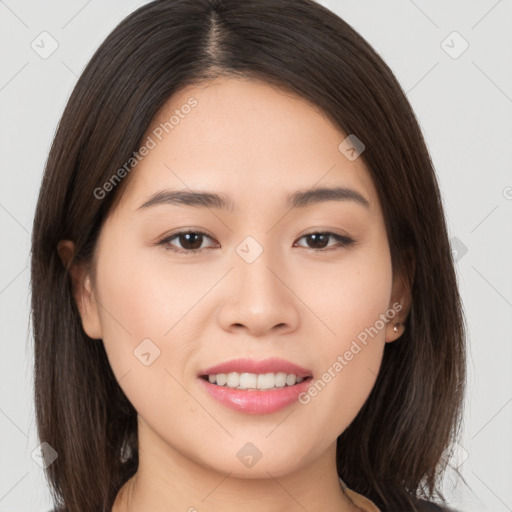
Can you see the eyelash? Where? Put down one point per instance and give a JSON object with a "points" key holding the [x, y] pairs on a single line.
{"points": [[344, 241]]}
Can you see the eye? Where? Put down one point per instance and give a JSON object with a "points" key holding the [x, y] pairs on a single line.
{"points": [[191, 241], [320, 239]]}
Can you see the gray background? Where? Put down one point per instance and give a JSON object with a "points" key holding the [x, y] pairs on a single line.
{"points": [[464, 105]]}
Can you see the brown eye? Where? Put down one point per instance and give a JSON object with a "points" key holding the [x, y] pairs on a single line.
{"points": [[190, 242], [320, 240]]}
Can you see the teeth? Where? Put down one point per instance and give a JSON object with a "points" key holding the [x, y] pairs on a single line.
{"points": [[233, 380], [280, 380], [254, 381], [248, 380], [266, 381]]}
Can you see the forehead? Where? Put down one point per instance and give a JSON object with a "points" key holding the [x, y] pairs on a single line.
{"points": [[246, 139]]}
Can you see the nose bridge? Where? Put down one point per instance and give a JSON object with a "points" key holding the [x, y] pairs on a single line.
{"points": [[255, 268], [260, 300]]}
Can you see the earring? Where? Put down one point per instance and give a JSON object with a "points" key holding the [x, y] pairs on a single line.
{"points": [[395, 327]]}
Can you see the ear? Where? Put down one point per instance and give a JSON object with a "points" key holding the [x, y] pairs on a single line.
{"points": [[401, 301], [83, 292]]}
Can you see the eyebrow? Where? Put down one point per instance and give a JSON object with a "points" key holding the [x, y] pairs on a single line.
{"points": [[299, 199]]}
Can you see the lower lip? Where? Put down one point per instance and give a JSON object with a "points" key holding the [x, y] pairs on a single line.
{"points": [[256, 401]]}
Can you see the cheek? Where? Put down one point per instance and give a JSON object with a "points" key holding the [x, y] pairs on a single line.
{"points": [[349, 295], [145, 311], [144, 321], [353, 306], [144, 293]]}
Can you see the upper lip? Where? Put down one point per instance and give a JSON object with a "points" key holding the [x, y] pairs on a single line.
{"points": [[271, 365]]}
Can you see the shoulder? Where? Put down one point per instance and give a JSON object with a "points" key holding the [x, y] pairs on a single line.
{"points": [[421, 505]]}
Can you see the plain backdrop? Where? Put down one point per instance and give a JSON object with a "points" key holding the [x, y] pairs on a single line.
{"points": [[454, 60]]}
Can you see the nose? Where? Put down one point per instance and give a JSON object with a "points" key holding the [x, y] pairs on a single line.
{"points": [[260, 298]]}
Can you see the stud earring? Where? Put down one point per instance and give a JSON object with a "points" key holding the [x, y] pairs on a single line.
{"points": [[395, 327]]}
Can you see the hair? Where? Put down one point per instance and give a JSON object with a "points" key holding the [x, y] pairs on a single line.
{"points": [[394, 450]]}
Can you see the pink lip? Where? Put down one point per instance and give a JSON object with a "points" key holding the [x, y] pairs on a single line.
{"points": [[256, 401], [272, 365]]}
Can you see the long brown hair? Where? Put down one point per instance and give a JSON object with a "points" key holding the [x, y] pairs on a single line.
{"points": [[393, 451]]}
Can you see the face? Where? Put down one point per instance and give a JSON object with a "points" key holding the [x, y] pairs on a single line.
{"points": [[266, 279]]}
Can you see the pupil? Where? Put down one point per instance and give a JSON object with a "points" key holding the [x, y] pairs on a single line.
{"points": [[189, 239], [316, 237]]}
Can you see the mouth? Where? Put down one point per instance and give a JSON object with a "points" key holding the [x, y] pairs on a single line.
{"points": [[254, 381], [255, 387]]}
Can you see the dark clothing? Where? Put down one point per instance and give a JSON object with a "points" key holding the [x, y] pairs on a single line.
{"points": [[428, 506]]}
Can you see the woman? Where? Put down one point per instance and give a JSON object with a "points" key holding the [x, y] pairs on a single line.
{"points": [[243, 290]]}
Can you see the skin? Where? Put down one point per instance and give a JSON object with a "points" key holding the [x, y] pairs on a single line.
{"points": [[256, 144]]}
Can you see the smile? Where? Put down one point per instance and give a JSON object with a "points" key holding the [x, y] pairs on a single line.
{"points": [[254, 381], [255, 387]]}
